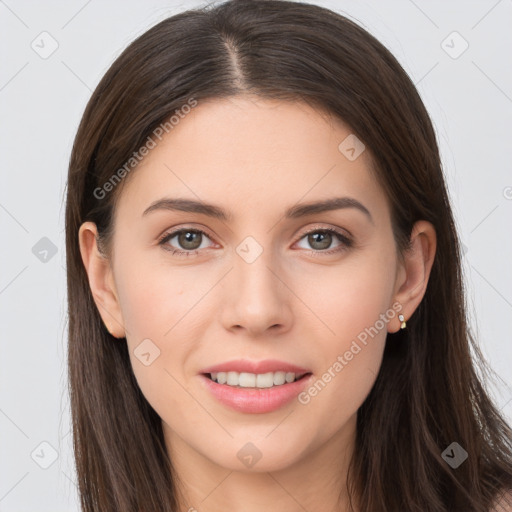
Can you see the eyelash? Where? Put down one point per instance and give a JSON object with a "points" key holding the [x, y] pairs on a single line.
{"points": [[347, 243]]}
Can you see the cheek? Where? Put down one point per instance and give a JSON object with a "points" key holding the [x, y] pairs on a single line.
{"points": [[151, 305], [353, 301], [166, 310], [349, 297], [152, 298], [158, 339]]}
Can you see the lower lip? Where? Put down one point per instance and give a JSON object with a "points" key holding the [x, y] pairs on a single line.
{"points": [[256, 401]]}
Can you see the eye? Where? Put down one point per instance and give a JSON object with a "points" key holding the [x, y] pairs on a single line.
{"points": [[191, 240], [321, 239]]}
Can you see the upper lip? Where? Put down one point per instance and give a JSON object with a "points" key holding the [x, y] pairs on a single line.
{"points": [[245, 365]]}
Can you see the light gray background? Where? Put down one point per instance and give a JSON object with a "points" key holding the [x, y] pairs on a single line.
{"points": [[41, 102]]}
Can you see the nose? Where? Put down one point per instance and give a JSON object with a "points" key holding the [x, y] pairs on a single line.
{"points": [[256, 297]]}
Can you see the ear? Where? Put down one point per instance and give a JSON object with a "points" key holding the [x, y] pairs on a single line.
{"points": [[101, 280], [413, 274]]}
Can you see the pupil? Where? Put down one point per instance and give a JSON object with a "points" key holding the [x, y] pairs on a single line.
{"points": [[187, 240], [324, 244]]}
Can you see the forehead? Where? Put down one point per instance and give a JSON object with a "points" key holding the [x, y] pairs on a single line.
{"points": [[251, 153]]}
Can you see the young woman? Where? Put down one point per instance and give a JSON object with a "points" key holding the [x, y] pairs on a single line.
{"points": [[266, 306]]}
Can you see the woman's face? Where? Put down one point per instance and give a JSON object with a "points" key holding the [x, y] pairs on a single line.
{"points": [[255, 286]]}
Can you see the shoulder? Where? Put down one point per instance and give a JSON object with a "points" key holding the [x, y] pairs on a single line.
{"points": [[503, 502]]}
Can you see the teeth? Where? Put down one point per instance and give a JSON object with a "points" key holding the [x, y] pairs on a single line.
{"points": [[252, 380]]}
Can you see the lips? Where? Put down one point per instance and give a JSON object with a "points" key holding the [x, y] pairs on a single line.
{"points": [[255, 400], [257, 367]]}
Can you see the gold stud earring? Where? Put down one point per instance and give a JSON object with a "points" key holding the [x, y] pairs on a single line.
{"points": [[402, 320]]}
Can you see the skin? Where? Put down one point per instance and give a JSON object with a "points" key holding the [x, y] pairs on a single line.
{"points": [[255, 158]]}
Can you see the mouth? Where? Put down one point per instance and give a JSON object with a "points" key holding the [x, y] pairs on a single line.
{"points": [[255, 393], [255, 381]]}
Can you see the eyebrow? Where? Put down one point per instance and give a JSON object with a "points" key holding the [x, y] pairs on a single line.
{"points": [[294, 212]]}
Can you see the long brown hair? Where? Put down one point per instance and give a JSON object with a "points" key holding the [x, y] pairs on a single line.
{"points": [[430, 390]]}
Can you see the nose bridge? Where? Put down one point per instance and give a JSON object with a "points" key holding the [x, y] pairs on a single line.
{"points": [[257, 297]]}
